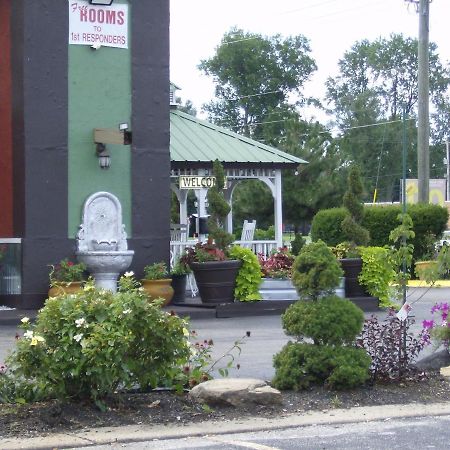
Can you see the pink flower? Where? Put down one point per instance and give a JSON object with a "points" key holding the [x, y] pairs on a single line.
{"points": [[427, 324]]}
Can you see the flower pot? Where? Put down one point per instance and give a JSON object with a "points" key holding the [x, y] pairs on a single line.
{"points": [[159, 289], [65, 288], [179, 288], [277, 289], [422, 268], [352, 268], [216, 280]]}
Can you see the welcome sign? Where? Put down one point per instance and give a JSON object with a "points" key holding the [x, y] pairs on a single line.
{"points": [[98, 26]]}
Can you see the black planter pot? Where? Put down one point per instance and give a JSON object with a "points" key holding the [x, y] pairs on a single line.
{"points": [[179, 288], [352, 268], [216, 280]]}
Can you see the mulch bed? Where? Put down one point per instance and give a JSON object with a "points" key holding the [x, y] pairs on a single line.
{"points": [[165, 407]]}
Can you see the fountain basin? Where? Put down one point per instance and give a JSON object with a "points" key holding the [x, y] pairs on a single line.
{"points": [[106, 266]]}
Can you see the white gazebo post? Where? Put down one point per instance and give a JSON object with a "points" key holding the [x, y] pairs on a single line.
{"points": [[228, 195], [278, 206]]}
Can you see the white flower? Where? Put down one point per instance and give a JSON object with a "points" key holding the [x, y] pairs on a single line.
{"points": [[28, 334], [80, 322], [127, 311], [25, 320], [128, 274], [78, 337]]}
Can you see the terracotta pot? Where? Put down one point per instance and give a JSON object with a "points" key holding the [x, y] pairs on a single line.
{"points": [[159, 289], [63, 288]]}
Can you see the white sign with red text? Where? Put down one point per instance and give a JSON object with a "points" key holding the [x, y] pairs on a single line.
{"points": [[98, 26]]}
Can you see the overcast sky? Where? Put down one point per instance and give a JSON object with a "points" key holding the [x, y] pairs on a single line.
{"points": [[332, 26]]}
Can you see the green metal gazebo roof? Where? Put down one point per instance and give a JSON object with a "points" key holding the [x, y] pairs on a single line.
{"points": [[195, 142]]}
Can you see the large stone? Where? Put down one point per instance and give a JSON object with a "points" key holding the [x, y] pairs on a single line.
{"points": [[236, 391]]}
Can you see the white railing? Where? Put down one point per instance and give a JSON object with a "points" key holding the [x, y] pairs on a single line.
{"points": [[177, 248]]}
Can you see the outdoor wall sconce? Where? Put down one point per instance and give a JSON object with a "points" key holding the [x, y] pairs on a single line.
{"points": [[101, 2], [104, 158]]}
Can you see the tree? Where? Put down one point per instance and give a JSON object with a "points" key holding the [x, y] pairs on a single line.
{"points": [[254, 76], [318, 184], [376, 81]]}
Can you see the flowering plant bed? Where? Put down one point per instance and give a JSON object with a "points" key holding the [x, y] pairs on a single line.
{"points": [[67, 271], [278, 264]]}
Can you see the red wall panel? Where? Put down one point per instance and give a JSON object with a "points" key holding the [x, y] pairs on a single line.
{"points": [[6, 191]]}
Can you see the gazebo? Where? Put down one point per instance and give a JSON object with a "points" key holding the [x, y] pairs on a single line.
{"points": [[195, 144]]}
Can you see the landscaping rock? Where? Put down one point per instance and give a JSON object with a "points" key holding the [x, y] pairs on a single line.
{"points": [[445, 372], [235, 392]]}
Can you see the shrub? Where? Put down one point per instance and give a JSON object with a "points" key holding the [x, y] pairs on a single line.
{"points": [[249, 275], [391, 347], [354, 232], [330, 320], [315, 271], [380, 221], [377, 273], [265, 235], [297, 244], [299, 365], [326, 226], [218, 209], [92, 343]]}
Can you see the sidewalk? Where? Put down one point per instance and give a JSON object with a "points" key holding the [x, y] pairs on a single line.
{"points": [[141, 433]]}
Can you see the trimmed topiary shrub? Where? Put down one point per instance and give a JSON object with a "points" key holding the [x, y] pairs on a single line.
{"points": [[299, 365], [315, 271], [354, 232], [330, 320]]}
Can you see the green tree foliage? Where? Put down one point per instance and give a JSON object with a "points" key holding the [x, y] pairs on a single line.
{"points": [[376, 80], [254, 76]]}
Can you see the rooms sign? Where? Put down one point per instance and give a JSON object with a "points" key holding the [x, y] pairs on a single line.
{"points": [[193, 182], [98, 26]]}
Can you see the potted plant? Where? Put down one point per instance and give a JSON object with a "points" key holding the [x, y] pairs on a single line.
{"points": [[157, 282], [427, 262], [356, 235], [215, 273], [66, 277], [179, 273], [276, 270]]}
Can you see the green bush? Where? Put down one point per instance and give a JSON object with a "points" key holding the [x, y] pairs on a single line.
{"points": [[92, 343], [265, 235], [299, 365], [297, 244], [377, 273], [380, 221], [326, 226], [316, 271], [249, 275], [328, 321]]}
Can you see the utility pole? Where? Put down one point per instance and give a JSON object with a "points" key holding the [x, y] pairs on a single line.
{"points": [[423, 131], [423, 122]]}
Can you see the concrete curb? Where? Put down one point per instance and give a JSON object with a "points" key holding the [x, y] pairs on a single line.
{"points": [[139, 433]]}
